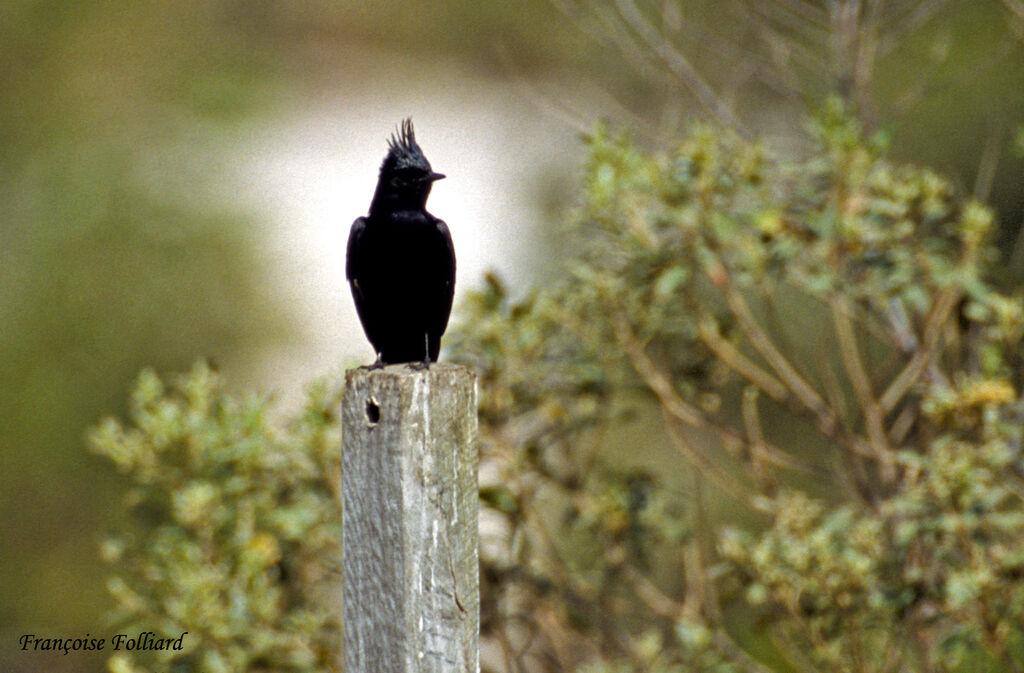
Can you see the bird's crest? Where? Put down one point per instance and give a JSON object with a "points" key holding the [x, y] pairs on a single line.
{"points": [[404, 138], [403, 152]]}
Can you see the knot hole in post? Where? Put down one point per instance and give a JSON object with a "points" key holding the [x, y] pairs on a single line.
{"points": [[372, 411]]}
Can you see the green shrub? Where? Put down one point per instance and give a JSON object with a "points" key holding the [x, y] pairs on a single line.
{"points": [[240, 535], [816, 342]]}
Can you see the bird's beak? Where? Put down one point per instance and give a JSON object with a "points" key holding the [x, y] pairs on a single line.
{"points": [[435, 176]]}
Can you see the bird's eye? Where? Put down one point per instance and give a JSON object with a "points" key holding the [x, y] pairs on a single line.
{"points": [[405, 175]]}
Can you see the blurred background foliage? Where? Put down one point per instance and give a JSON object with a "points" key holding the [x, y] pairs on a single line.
{"points": [[769, 420], [241, 538], [122, 246]]}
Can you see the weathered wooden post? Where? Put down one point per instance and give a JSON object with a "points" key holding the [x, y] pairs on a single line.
{"points": [[409, 498]]}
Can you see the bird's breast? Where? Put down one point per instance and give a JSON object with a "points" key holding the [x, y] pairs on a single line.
{"points": [[405, 244]]}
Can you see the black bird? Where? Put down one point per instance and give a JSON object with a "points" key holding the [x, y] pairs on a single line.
{"points": [[401, 261]]}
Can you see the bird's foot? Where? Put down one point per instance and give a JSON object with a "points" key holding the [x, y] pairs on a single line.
{"points": [[378, 364], [421, 366]]}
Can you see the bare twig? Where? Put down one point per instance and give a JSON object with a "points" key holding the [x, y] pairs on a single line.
{"points": [[921, 14], [738, 362], [1015, 6], [647, 591], [675, 405], [1017, 253], [664, 606], [824, 415], [676, 62], [911, 373], [962, 74], [552, 625], [696, 582], [722, 479], [652, 376], [703, 544], [811, 56], [809, 13], [834, 392], [902, 425], [855, 40], [736, 654], [550, 104], [873, 414], [792, 652], [988, 163], [752, 421], [608, 31], [763, 67]]}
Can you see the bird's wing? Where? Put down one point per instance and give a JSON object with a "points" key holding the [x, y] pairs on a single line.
{"points": [[450, 249], [446, 254], [355, 269], [355, 266], [449, 261], [355, 238]]}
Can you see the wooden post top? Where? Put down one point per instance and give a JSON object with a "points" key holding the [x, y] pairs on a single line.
{"points": [[410, 511]]}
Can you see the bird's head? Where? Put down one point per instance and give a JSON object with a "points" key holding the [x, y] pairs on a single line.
{"points": [[405, 168]]}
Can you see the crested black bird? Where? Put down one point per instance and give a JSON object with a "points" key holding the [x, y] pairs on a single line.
{"points": [[401, 261]]}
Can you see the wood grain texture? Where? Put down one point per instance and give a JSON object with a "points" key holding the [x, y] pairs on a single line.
{"points": [[410, 503]]}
